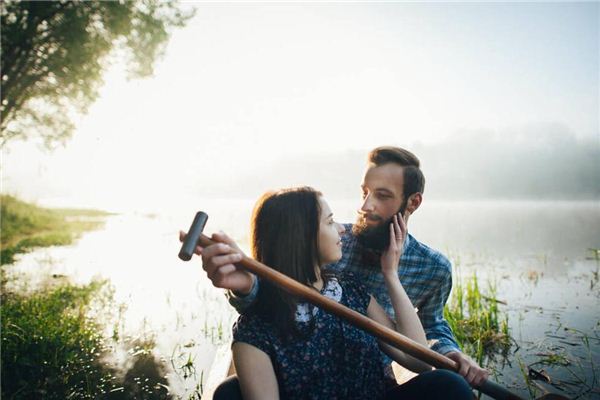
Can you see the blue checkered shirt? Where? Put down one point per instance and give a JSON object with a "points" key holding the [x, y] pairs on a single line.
{"points": [[425, 274]]}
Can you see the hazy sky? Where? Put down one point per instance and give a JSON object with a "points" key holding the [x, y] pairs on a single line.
{"points": [[243, 85]]}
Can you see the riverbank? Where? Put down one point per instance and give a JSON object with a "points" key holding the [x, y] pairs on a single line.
{"points": [[50, 346], [59, 338], [25, 226]]}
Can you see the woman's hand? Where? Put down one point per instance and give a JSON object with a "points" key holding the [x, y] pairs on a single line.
{"points": [[391, 256]]}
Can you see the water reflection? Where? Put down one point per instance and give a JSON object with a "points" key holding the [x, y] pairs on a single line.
{"points": [[534, 251], [142, 377]]}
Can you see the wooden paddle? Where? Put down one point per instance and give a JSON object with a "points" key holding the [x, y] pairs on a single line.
{"points": [[361, 321]]}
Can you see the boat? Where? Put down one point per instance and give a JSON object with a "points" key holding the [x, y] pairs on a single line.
{"points": [[222, 367]]}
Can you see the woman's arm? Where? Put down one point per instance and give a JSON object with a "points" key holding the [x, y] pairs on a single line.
{"points": [[407, 321], [255, 372], [377, 313]]}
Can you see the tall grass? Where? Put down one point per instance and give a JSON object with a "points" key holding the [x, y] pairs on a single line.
{"points": [[54, 341], [480, 328], [54, 347], [24, 226], [51, 349]]}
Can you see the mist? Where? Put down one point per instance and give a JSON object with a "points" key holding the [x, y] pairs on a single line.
{"points": [[498, 100], [537, 162]]}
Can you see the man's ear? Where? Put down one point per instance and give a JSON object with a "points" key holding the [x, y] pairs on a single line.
{"points": [[414, 201]]}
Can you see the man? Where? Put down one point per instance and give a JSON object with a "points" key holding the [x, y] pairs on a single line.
{"points": [[393, 183]]}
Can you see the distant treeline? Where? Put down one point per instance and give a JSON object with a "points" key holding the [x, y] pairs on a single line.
{"points": [[541, 166], [548, 164]]}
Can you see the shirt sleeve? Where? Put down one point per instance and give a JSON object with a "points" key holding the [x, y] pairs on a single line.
{"points": [[432, 311], [242, 303]]}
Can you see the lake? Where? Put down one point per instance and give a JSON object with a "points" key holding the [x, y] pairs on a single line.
{"points": [[537, 254]]}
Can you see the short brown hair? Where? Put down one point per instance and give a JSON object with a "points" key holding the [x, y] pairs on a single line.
{"points": [[414, 180]]}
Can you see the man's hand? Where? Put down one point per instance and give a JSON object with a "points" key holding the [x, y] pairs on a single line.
{"points": [[468, 368], [218, 260]]}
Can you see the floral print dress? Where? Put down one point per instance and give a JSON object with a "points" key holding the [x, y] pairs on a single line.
{"points": [[332, 359]]}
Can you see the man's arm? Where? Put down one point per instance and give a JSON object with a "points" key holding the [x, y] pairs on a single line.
{"points": [[218, 261], [437, 328], [241, 302], [432, 311]]}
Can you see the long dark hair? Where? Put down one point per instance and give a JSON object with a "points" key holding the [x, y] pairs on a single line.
{"points": [[284, 233]]}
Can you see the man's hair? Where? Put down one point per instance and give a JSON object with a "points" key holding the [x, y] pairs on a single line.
{"points": [[414, 180]]}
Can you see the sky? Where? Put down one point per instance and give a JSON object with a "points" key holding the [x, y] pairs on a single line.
{"points": [[244, 86]]}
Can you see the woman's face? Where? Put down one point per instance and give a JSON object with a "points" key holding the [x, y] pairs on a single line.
{"points": [[330, 243]]}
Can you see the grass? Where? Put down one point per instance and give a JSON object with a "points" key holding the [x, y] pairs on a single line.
{"points": [[54, 344], [24, 226], [54, 347], [528, 384], [479, 326], [50, 348]]}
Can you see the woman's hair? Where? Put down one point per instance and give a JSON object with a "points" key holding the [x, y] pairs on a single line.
{"points": [[284, 233]]}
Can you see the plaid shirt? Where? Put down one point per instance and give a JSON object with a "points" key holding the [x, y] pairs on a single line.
{"points": [[425, 274]]}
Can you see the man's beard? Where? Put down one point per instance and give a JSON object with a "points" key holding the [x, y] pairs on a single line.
{"points": [[374, 237]]}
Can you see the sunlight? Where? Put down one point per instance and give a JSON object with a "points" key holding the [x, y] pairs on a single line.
{"points": [[242, 88]]}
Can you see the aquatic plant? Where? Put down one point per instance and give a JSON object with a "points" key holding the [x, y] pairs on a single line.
{"points": [[51, 349], [55, 346], [183, 363], [479, 326]]}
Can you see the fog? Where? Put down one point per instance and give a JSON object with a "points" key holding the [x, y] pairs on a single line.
{"points": [[499, 100], [536, 162]]}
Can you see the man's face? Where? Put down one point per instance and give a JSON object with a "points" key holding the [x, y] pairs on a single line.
{"points": [[383, 196]]}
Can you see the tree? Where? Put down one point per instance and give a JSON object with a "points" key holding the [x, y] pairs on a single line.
{"points": [[54, 54]]}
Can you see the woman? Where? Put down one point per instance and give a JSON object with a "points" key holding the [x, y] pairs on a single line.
{"points": [[283, 348]]}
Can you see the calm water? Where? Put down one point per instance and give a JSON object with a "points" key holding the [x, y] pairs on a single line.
{"points": [[536, 252]]}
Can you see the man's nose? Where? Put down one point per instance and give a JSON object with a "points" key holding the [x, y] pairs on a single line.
{"points": [[367, 205]]}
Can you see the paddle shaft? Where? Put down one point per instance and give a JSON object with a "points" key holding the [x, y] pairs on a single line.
{"points": [[363, 322]]}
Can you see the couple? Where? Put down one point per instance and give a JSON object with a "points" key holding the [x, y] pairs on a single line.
{"points": [[289, 349]]}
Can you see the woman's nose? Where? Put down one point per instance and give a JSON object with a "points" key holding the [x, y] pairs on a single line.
{"points": [[341, 229]]}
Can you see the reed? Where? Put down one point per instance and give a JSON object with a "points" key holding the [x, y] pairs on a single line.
{"points": [[50, 347], [479, 326], [55, 346]]}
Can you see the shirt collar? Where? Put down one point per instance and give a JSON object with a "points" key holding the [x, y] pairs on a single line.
{"points": [[409, 242]]}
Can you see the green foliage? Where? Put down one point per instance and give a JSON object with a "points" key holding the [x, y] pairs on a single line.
{"points": [[51, 349], [54, 54], [477, 323], [24, 226], [53, 340]]}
